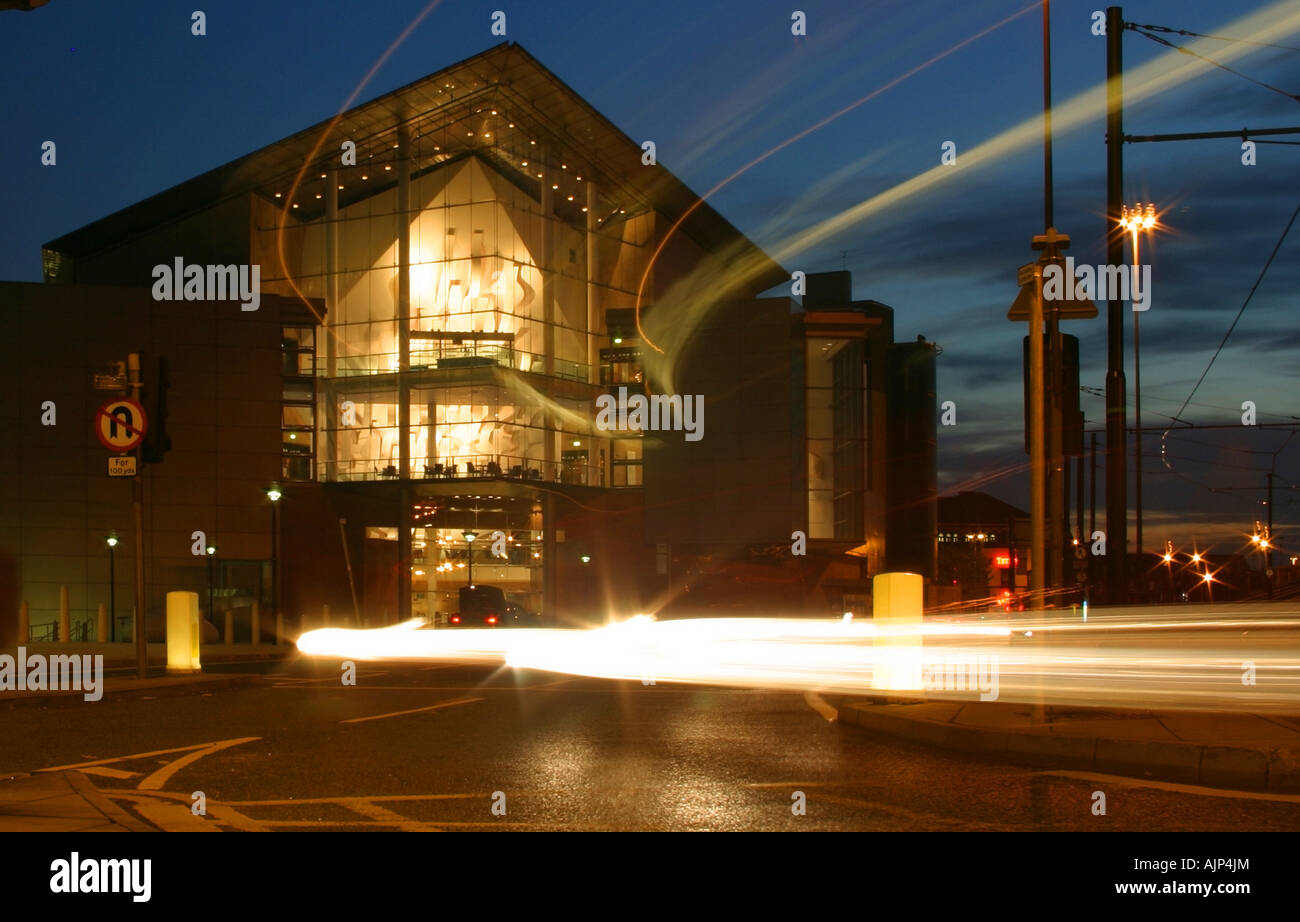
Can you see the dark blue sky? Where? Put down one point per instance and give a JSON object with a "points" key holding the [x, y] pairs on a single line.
{"points": [[137, 104]]}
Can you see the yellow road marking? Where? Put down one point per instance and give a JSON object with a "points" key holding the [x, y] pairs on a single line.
{"points": [[432, 707], [155, 781], [1199, 790], [108, 772], [387, 817], [138, 755]]}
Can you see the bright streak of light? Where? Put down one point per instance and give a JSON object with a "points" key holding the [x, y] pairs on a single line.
{"points": [[696, 294], [1164, 658]]}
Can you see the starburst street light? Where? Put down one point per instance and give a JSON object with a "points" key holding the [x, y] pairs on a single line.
{"points": [[1139, 219]]}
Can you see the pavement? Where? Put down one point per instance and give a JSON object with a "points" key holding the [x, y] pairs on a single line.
{"points": [[60, 802], [1255, 752], [122, 655]]}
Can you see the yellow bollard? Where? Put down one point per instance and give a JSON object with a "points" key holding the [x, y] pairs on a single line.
{"points": [[183, 632], [102, 633], [65, 621], [255, 619], [897, 603], [230, 628]]}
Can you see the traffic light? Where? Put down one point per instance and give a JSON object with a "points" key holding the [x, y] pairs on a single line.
{"points": [[153, 395]]}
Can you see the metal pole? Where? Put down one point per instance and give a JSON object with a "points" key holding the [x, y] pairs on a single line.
{"points": [[1048, 220], [141, 643], [1137, 408], [1116, 486], [1078, 496], [1092, 516], [404, 497], [112, 596], [1037, 461], [1268, 561], [352, 583], [469, 562], [137, 503], [275, 565]]}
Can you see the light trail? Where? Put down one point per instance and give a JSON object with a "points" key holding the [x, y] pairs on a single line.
{"points": [[693, 296], [1221, 663]]}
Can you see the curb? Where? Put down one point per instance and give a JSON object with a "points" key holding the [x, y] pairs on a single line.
{"points": [[112, 812], [161, 690], [1235, 768]]}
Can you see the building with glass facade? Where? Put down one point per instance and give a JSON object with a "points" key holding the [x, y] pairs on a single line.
{"points": [[460, 268]]}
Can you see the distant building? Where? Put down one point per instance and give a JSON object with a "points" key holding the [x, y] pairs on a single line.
{"points": [[437, 323], [996, 531]]}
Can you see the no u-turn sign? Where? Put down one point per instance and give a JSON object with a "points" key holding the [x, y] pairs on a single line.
{"points": [[120, 424]]}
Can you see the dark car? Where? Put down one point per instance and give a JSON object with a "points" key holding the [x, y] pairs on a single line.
{"points": [[480, 606]]}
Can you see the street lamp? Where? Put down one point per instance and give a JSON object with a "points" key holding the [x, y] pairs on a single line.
{"points": [[273, 494], [212, 552], [1139, 219], [1169, 566], [111, 541], [469, 556]]}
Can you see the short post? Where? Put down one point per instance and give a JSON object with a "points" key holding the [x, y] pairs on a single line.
{"points": [[102, 627], [230, 628], [254, 621], [24, 622], [325, 615], [896, 617], [279, 628], [183, 632], [65, 620]]}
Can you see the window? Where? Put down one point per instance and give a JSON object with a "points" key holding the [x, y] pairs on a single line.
{"points": [[297, 402]]}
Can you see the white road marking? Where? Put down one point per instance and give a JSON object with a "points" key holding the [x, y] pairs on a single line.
{"points": [[432, 707]]}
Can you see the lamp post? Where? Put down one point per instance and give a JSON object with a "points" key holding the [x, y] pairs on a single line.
{"points": [[111, 541], [1139, 219], [273, 494], [1169, 567], [212, 552], [469, 557]]}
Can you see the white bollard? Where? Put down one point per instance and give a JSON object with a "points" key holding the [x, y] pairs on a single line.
{"points": [[897, 602], [183, 632]]}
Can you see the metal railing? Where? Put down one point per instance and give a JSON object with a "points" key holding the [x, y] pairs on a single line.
{"points": [[385, 363], [468, 467]]}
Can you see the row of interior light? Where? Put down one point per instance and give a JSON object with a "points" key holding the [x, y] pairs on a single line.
{"points": [[486, 134]]}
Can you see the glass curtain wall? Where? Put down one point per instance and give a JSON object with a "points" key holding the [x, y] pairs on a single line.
{"points": [[477, 246]]}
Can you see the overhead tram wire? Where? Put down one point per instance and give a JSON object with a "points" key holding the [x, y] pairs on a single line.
{"points": [[1294, 97], [1253, 288], [1217, 38]]}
